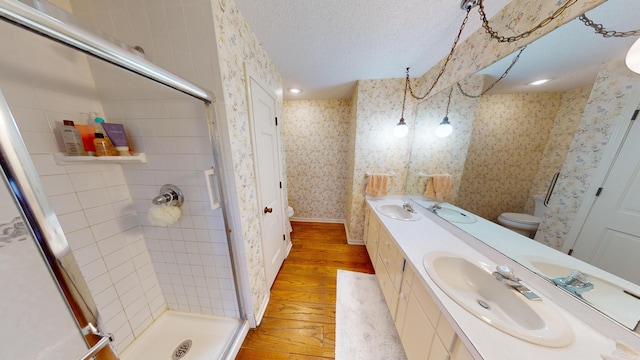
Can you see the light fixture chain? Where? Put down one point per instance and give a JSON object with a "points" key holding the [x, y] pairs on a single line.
{"points": [[494, 35], [444, 66], [504, 74], [449, 101], [599, 29]]}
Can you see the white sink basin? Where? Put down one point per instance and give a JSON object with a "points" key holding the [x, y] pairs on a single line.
{"points": [[456, 216], [397, 212], [605, 296], [471, 285]]}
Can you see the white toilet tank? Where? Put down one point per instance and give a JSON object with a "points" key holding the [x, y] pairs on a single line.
{"points": [[539, 209]]}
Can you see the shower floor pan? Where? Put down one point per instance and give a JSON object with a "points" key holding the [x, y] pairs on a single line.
{"points": [[168, 338]]}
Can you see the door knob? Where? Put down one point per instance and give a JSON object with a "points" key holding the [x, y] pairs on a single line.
{"points": [[268, 210]]}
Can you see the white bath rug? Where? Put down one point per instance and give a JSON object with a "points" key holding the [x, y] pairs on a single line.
{"points": [[364, 328]]}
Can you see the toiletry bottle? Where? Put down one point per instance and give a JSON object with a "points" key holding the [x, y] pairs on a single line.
{"points": [[103, 146], [88, 134], [118, 138], [72, 139], [98, 121]]}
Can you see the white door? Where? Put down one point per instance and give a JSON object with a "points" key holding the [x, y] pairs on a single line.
{"points": [[263, 116], [610, 237]]}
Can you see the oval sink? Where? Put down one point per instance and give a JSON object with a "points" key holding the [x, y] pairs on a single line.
{"points": [[472, 286], [621, 304], [455, 216], [397, 212]]}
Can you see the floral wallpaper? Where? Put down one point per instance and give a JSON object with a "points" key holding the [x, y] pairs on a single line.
{"points": [[564, 128], [237, 45], [316, 139], [509, 136], [376, 150], [433, 155], [608, 97]]}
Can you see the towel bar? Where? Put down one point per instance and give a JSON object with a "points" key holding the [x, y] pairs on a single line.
{"points": [[392, 174]]}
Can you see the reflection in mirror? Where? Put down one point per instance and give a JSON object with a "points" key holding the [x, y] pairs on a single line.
{"points": [[508, 144]]}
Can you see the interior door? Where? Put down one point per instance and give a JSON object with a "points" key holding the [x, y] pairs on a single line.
{"points": [[263, 116], [610, 237]]}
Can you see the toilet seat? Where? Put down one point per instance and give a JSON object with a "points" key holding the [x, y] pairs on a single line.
{"points": [[520, 221]]}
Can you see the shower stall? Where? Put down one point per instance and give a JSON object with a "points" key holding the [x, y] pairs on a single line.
{"points": [[129, 287]]}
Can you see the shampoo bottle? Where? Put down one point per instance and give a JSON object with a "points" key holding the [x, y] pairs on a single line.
{"points": [[72, 139]]}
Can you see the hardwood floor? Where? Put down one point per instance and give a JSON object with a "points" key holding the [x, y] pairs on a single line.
{"points": [[299, 323]]}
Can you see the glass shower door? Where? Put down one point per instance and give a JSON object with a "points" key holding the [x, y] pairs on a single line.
{"points": [[36, 322], [43, 311]]}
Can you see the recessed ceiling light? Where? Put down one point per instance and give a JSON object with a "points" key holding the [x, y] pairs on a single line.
{"points": [[538, 82], [295, 90]]}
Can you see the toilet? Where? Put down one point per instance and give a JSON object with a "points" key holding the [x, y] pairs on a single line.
{"points": [[289, 215], [524, 224]]}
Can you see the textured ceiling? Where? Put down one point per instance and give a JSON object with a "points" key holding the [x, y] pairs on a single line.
{"points": [[324, 46]]}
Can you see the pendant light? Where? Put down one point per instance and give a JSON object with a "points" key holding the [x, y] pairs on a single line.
{"points": [[633, 57], [445, 129], [402, 129]]}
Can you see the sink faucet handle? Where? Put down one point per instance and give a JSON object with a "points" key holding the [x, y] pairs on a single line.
{"points": [[507, 272]]}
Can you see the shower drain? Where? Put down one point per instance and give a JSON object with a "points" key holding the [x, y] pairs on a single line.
{"points": [[181, 350]]}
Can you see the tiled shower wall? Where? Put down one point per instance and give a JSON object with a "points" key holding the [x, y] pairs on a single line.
{"points": [[191, 257], [45, 83], [210, 44]]}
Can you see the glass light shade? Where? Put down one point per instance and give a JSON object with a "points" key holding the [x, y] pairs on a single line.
{"points": [[401, 129], [633, 57], [444, 129]]}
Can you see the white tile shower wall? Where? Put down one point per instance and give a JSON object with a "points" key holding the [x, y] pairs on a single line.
{"points": [[45, 83], [191, 257]]}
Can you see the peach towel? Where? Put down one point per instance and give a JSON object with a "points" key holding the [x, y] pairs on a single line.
{"points": [[377, 185], [439, 186]]}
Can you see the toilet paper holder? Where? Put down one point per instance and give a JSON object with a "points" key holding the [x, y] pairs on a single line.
{"points": [[169, 195]]}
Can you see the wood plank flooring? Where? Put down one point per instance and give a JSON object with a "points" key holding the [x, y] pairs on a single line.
{"points": [[300, 323]]}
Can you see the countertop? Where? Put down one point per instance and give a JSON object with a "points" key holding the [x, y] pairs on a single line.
{"points": [[430, 234]]}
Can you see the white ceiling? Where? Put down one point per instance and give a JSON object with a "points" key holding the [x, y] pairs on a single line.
{"points": [[324, 46]]}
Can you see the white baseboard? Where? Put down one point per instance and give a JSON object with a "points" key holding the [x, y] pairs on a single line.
{"points": [[329, 221], [257, 318], [351, 241]]}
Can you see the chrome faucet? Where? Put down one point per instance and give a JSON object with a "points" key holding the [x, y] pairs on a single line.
{"points": [[577, 283], [435, 207], [407, 206], [505, 274]]}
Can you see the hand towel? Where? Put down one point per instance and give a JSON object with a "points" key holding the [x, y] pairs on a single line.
{"points": [[377, 185], [439, 186]]}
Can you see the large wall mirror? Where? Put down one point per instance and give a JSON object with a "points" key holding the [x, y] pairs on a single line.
{"points": [[508, 144]]}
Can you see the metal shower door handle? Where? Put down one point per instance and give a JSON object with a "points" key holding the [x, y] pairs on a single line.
{"points": [[268, 210]]}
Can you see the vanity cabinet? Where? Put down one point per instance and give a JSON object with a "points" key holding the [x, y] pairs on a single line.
{"points": [[371, 235], [389, 269], [424, 331]]}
